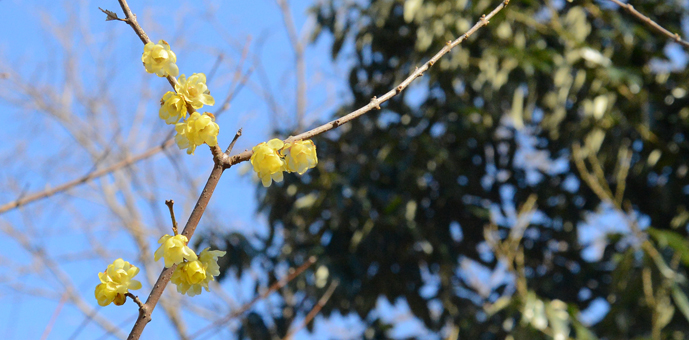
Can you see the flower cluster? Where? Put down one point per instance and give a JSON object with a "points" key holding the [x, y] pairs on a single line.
{"points": [[116, 281], [190, 92], [198, 129], [191, 276], [192, 272], [271, 159]]}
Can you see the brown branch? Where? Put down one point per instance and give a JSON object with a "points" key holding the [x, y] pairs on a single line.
{"points": [[375, 102], [646, 20], [169, 204], [317, 308], [135, 299], [147, 309], [93, 175], [245, 307], [234, 140]]}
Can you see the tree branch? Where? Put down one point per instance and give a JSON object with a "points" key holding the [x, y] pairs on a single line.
{"points": [[317, 308], [375, 102], [277, 285], [93, 175], [660, 29]]}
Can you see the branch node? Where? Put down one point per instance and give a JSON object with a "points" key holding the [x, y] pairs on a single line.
{"points": [[137, 301], [336, 123], [375, 102], [449, 43], [484, 20], [506, 2], [677, 37], [630, 7], [399, 88], [431, 62]]}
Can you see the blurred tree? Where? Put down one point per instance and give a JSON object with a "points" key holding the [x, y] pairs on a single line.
{"points": [[402, 199]]}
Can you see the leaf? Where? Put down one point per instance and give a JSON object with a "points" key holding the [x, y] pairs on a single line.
{"points": [[673, 240], [110, 15], [681, 300]]}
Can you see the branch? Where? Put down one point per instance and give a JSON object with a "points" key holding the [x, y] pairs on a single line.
{"points": [[169, 204], [375, 102], [135, 299], [93, 175], [317, 308], [660, 29], [298, 48], [277, 285]]}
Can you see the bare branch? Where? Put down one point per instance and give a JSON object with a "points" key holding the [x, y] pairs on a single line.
{"points": [[135, 299], [656, 27], [93, 175], [300, 66], [317, 308], [169, 204], [277, 285], [375, 102], [234, 140]]}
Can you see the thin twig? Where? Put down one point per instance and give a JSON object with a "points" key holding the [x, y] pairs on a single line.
{"points": [[660, 29], [375, 102], [300, 66], [135, 299], [51, 323], [169, 204], [234, 140], [92, 175], [317, 308], [245, 307]]}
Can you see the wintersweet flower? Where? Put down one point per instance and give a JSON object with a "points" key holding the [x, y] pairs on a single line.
{"points": [[116, 281], [209, 258], [190, 277], [174, 250], [267, 162], [159, 59], [196, 130], [194, 90], [172, 108], [300, 156]]}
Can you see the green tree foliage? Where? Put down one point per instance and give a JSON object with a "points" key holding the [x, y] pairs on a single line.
{"points": [[402, 197]]}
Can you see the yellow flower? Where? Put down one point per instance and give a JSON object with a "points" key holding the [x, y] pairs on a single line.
{"points": [[159, 59], [174, 250], [191, 276], [172, 108], [194, 90], [267, 162], [209, 258], [116, 281], [196, 130], [106, 293], [300, 156]]}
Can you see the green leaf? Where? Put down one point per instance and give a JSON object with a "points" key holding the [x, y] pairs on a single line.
{"points": [[680, 300], [673, 240]]}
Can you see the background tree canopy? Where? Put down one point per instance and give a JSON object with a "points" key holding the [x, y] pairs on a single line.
{"points": [[548, 152]]}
